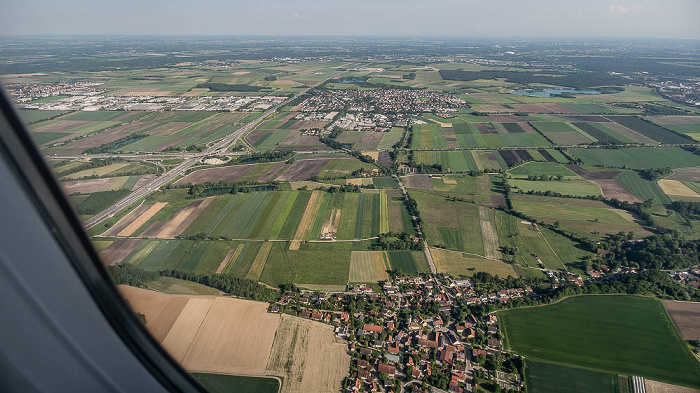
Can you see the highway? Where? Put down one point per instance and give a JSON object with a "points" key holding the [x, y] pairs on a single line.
{"points": [[190, 159]]}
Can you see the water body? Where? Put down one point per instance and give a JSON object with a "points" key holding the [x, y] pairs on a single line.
{"points": [[552, 92]]}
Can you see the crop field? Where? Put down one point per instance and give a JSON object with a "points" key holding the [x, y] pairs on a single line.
{"points": [[233, 173], [643, 188], [638, 158], [209, 334], [580, 216], [677, 190], [600, 132], [308, 355], [312, 263], [451, 161], [221, 383], [565, 187], [649, 129], [195, 256], [602, 332], [391, 138], [30, 116], [543, 168], [409, 262], [459, 264], [450, 224], [368, 266], [562, 133], [554, 378]]}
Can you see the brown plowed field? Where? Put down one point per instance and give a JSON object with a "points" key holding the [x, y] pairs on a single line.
{"points": [[143, 180], [117, 251], [271, 172], [607, 183], [62, 126], [180, 221], [422, 182], [227, 173], [385, 159], [297, 141], [126, 220], [544, 108], [87, 186], [303, 169], [686, 174], [136, 224], [686, 317]]}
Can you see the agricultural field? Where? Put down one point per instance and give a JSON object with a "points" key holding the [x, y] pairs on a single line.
{"points": [[474, 135], [587, 218], [602, 332], [89, 186], [650, 130], [679, 191], [459, 264], [219, 335], [686, 318], [554, 378], [222, 383], [643, 188], [638, 158]]}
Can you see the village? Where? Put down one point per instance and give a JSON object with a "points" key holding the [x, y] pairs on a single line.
{"points": [[420, 334], [381, 100]]}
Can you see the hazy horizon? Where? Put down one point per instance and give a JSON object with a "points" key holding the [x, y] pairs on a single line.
{"points": [[542, 19]]}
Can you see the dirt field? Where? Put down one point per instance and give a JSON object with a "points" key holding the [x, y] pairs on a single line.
{"points": [[271, 172], [126, 220], [62, 126], [100, 171], [488, 233], [675, 187], [111, 135], [303, 169], [118, 250], [233, 336], [686, 317], [309, 356], [136, 224], [330, 227], [660, 387], [180, 221], [227, 173], [87, 186], [544, 108], [457, 264], [607, 183], [307, 220], [209, 333], [422, 182], [686, 174]]}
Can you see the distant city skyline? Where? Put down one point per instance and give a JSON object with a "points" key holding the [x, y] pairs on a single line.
{"points": [[452, 18]]}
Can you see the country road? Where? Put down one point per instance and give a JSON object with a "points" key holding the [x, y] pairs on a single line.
{"points": [[191, 159]]}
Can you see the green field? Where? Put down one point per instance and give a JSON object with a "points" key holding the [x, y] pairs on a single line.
{"points": [[632, 335], [638, 157], [587, 218], [565, 187], [451, 161], [643, 188], [410, 262], [313, 263], [450, 224], [555, 378], [543, 168], [220, 383]]}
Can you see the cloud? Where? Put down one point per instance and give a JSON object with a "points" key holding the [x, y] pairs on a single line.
{"points": [[622, 10], [294, 14]]}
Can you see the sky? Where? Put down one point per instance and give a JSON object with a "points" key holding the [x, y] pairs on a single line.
{"points": [[426, 18]]}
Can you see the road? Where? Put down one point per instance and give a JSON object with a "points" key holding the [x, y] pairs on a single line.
{"points": [[190, 159]]}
